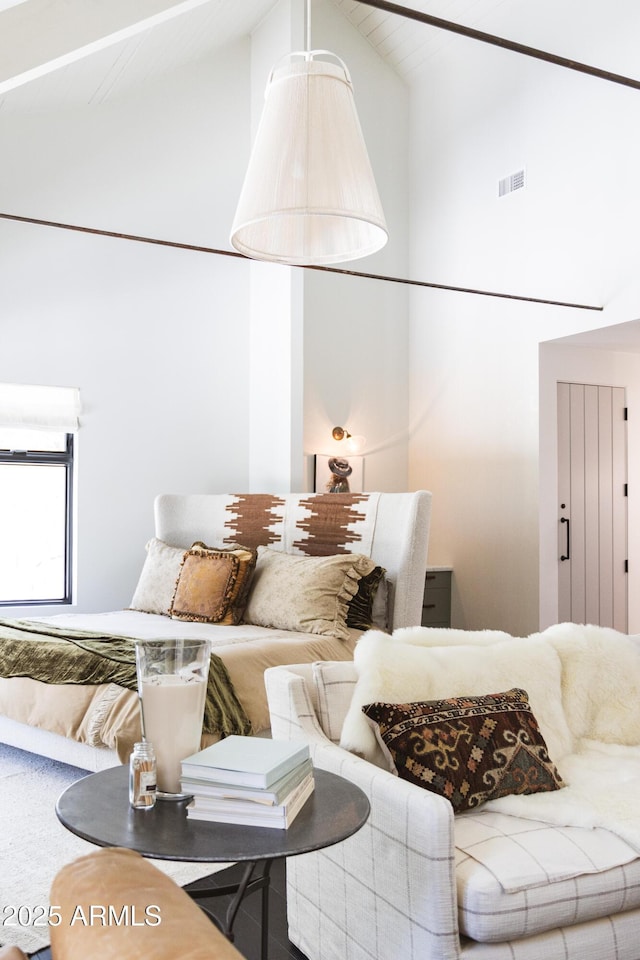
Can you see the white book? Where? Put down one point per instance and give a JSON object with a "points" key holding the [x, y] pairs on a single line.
{"points": [[273, 795], [254, 819], [246, 761], [255, 808]]}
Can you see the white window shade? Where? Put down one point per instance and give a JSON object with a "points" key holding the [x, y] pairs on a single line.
{"points": [[28, 407]]}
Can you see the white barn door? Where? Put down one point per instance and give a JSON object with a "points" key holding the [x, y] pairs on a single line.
{"points": [[592, 501]]}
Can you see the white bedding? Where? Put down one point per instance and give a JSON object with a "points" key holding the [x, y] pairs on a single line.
{"points": [[149, 626], [107, 715]]}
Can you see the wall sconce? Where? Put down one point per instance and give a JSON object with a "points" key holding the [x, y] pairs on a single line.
{"points": [[354, 444]]}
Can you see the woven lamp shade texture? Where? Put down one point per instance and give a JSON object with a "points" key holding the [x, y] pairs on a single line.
{"points": [[309, 195]]}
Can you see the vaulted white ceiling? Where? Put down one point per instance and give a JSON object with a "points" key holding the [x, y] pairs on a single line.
{"points": [[588, 31], [89, 50], [111, 44]]}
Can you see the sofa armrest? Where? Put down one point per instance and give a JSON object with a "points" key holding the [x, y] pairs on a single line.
{"points": [[389, 890], [158, 918], [291, 705]]}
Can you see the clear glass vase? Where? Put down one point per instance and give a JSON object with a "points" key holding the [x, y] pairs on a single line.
{"points": [[172, 685]]}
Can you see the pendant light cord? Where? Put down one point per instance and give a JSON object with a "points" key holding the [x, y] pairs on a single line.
{"points": [[307, 28]]}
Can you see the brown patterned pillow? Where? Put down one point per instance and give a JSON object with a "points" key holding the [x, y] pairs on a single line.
{"points": [[467, 749], [213, 584]]}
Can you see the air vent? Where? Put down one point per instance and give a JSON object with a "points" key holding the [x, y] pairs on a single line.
{"points": [[514, 181]]}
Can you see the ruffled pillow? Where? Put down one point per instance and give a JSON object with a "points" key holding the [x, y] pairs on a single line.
{"points": [[305, 594]]}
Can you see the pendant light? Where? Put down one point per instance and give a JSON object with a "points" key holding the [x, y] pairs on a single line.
{"points": [[309, 194]]}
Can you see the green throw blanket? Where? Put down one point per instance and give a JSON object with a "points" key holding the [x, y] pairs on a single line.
{"points": [[57, 655]]}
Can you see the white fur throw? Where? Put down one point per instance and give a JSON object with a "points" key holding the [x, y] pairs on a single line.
{"points": [[600, 681], [602, 790], [397, 672], [584, 688], [447, 636], [601, 698]]}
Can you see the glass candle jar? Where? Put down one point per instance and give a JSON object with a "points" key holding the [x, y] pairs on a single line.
{"points": [[142, 776], [172, 684]]}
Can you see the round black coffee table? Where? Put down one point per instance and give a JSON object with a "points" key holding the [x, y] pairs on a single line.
{"points": [[97, 809]]}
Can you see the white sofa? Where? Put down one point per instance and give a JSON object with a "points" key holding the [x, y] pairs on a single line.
{"points": [[560, 881]]}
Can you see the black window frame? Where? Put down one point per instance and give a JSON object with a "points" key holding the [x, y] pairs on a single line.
{"points": [[46, 457]]}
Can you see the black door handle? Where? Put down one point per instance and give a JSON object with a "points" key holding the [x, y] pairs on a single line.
{"points": [[568, 523]]}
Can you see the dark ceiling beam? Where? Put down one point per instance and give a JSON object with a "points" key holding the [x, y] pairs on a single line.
{"points": [[417, 15], [176, 245]]}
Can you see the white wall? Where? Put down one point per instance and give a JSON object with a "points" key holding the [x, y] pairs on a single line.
{"points": [[356, 330], [163, 160], [276, 307], [155, 338], [171, 363], [330, 347], [276, 379], [478, 114]]}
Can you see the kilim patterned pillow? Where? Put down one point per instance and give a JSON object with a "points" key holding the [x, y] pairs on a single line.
{"points": [[467, 749]]}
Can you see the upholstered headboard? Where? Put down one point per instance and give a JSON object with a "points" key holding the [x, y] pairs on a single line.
{"points": [[391, 528]]}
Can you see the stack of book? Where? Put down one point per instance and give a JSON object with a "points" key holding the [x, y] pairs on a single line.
{"points": [[252, 781]]}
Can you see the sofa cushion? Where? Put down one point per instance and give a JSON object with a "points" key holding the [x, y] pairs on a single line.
{"points": [[396, 672], [467, 749], [525, 853], [517, 878]]}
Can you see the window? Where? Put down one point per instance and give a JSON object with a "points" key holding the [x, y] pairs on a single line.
{"points": [[36, 494]]}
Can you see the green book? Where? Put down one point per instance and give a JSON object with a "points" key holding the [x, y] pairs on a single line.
{"points": [[246, 761]]}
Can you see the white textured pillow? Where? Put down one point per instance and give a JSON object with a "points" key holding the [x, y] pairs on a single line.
{"points": [[306, 594], [157, 583], [396, 672]]}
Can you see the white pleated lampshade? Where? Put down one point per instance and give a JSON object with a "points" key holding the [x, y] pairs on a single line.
{"points": [[309, 195]]}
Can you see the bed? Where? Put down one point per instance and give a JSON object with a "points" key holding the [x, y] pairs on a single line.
{"points": [[325, 566]]}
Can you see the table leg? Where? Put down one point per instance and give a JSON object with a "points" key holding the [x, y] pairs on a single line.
{"points": [[265, 909], [248, 884]]}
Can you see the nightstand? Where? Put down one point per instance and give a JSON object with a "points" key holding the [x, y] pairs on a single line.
{"points": [[436, 606]]}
